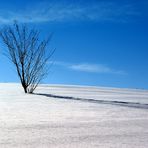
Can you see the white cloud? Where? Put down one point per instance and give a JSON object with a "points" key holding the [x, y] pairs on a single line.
{"points": [[90, 68], [58, 11]]}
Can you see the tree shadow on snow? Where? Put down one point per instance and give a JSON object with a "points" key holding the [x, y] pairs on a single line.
{"points": [[119, 103]]}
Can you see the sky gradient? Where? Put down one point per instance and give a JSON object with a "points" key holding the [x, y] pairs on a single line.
{"points": [[99, 43]]}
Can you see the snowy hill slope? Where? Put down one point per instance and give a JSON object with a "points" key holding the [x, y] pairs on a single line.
{"points": [[73, 116]]}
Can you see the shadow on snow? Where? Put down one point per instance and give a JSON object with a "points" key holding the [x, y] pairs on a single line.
{"points": [[119, 103]]}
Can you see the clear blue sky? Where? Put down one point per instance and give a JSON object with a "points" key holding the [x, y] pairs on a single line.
{"points": [[102, 43]]}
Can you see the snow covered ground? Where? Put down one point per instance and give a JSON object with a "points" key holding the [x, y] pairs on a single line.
{"points": [[73, 117]]}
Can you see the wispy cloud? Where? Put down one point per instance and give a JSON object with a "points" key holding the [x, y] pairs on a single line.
{"points": [[90, 68], [58, 11]]}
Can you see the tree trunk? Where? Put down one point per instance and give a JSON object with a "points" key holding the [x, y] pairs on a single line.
{"points": [[25, 88]]}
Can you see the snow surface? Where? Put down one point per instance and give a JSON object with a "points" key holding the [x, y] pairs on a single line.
{"points": [[73, 117]]}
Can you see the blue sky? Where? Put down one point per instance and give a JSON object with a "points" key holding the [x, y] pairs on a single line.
{"points": [[98, 42]]}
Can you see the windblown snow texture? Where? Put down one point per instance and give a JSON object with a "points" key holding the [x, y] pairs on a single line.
{"points": [[73, 116]]}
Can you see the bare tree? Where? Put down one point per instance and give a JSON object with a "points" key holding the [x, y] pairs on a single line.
{"points": [[29, 55]]}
